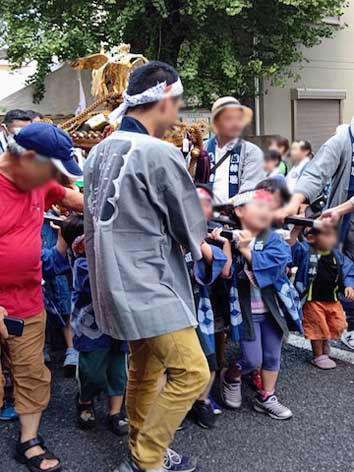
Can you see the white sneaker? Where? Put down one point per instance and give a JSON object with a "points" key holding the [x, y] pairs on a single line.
{"points": [[272, 407], [347, 338], [230, 392]]}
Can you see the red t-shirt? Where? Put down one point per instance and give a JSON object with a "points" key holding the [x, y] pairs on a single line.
{"points": [[21, 219]]}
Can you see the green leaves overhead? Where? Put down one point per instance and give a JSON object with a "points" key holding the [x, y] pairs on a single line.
{"points": [[219, 46]]}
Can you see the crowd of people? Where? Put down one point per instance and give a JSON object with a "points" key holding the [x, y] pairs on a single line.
{"points": [[148, 274]]}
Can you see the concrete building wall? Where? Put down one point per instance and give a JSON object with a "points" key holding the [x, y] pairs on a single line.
{"points": [[331, 66], [61, 96]]}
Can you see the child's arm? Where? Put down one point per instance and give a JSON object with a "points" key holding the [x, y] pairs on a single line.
{"points": [[207, 253], [81, 276], [54, 263], [244, 240], [294, 235], [269, 264], [348, 277], [226, 249]]}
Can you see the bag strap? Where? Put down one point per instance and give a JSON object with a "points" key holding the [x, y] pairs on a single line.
{"points": [[224, 157]]}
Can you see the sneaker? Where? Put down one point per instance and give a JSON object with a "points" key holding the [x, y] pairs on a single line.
{"points": [[230, 392], [70, 362], [129, 466], [217, 410], [86, 415], [324, 362], [347, 338], [203, 413], [272, 407], [118, 424], [177, 463], [8, 413]]}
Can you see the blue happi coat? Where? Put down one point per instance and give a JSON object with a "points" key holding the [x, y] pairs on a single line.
{"points": [[270, 258], [234, 165], [305, 258], [203, 277]]}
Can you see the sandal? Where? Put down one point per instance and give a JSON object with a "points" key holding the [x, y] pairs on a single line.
{"points": [[34, 463], [86, 415]]}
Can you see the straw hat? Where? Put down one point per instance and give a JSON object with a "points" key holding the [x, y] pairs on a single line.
{"points": [[230, 102]]}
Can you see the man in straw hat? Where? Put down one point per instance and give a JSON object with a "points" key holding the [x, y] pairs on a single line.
{"points": [[236, 164]]}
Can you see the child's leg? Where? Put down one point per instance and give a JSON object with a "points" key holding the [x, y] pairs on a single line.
{"points": [[251, 359], [202, 410], [272, 338], [71, 355], [204, 396], [91, 377], [267, 402], [252, 356], [116, 377], [115, 388], [317, 348], [67, 333], [115, 404], [91, 374]]}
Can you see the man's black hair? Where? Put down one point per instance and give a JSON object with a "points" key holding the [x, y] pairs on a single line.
{"points": [[149, 75], [72, 228], [34, 114], [276, 184], [16, 114]]}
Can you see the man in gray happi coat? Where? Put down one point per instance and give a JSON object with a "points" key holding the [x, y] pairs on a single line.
{"points": [[334, 165], [141, 208]]}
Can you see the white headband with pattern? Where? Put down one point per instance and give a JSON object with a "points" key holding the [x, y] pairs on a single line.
{"points": [[153, 94]]}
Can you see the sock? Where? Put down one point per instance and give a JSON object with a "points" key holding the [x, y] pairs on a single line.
{"points": [[264, 394]]}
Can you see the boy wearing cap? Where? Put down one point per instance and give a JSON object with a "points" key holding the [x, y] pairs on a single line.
{"points": [[27, 188], [236, 164]]}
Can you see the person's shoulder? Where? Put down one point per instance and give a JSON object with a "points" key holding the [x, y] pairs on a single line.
{"points": [[252, 148], [337, 253], [275, 238]]}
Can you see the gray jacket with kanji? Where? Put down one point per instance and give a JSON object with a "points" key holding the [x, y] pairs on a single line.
{"points": [[141, 206]]}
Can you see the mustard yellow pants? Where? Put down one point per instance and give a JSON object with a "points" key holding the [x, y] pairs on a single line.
{"points": [[155, 414]]}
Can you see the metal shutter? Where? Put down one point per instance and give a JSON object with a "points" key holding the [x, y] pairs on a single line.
{"points": [[316, 120]]}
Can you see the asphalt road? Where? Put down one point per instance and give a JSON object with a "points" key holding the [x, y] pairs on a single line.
{"points": [[319, 438]]}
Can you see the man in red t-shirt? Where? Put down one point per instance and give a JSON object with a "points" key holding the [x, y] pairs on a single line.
{"points": [[27, 189]]}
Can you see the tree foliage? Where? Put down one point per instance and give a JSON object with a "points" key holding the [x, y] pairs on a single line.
{"points": [[219, 46]]}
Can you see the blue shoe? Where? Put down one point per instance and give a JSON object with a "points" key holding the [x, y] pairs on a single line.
{"points": [[216, 407], [129, 466], [175, 462], [8, 413]]}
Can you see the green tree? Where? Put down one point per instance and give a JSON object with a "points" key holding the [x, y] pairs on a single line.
{"points": [[219, 46]]}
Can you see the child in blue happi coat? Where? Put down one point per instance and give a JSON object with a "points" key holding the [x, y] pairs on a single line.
{"points": [[102, 365], [102, 360], [265, 305], [214, 266], [323, 272], [57, 298]]}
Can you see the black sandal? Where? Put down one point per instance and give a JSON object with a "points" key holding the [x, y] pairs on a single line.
{"points": [[34, 463]]}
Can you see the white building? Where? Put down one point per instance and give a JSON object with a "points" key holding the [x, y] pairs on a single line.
{"points": [[314, 106]]}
